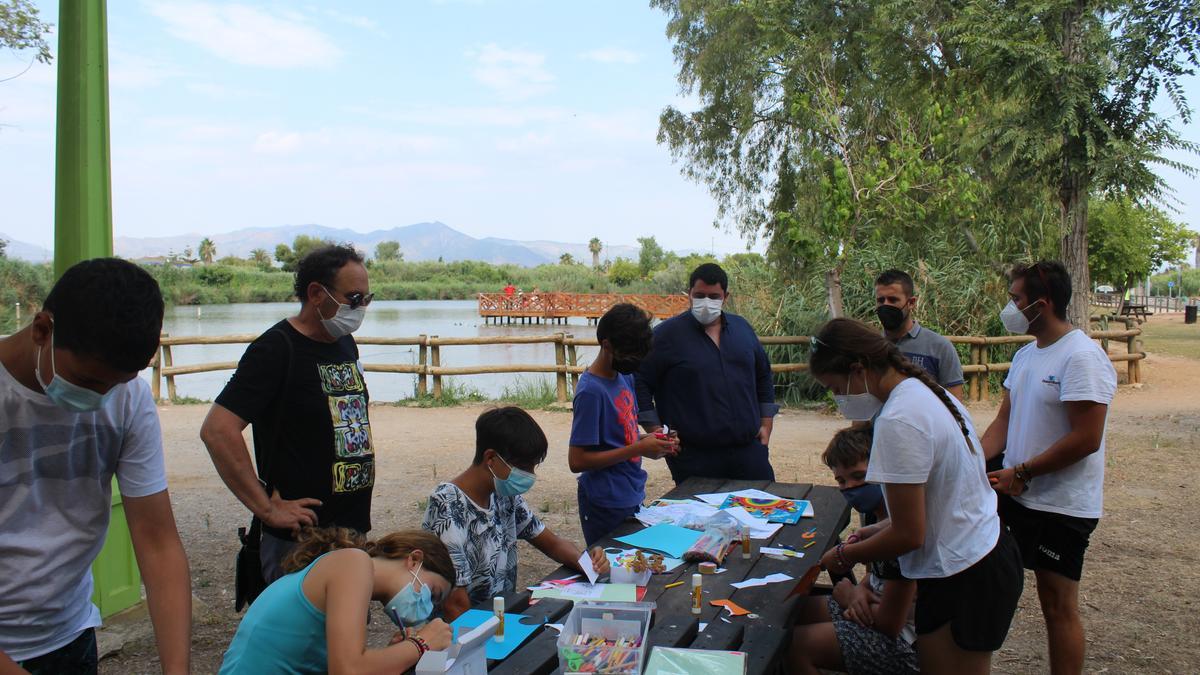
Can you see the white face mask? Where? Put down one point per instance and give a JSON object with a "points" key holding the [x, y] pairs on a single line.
{"points": [[345, 321], [858, 407], [1014, 319], [706, 310]]}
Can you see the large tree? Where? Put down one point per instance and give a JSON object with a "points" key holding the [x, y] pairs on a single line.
{"points": [[388, 250], [650, 256], [1128, 242], [1083, 77], [595, 246], [207, 251]]}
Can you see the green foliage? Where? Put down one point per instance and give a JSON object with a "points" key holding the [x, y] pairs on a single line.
{"points": [[23, 282], [388, 250], [207, 250], [650, 256], [3, 248], [21, 28], [1189, 287], [262, 259], [623, 272], [566, 259], [530, 394], [594, 247], [301, 246], [1127, 241]]}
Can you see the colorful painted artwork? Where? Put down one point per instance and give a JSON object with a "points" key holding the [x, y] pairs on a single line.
{"points": [[785, 511]]}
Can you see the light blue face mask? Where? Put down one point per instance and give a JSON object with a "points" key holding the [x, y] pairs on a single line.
{"points": [[518, 482], [66, 395], [410, 607]]}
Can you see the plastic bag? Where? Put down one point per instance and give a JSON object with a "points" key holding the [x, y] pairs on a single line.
{"points": [[677, 661], [720, 531]]}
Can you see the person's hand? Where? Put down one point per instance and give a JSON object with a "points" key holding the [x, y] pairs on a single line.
{"points": [[290, 514], [397, 638], [831, 563], [437, 634], [654, 447], [1005, 481], [859, 610], [600, 561], [843, 593], [764, 435]]}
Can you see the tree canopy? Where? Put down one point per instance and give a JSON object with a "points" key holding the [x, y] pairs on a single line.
{"points": [[21, 28], [1127, 242]]}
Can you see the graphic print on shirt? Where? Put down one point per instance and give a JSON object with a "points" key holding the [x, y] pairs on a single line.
{"points": [[355, 466], [626, 406]]}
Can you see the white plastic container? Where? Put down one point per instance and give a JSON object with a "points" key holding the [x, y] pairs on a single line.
{"points": [[612, 621]]}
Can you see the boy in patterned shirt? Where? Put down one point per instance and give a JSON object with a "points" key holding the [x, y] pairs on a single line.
{"points": [[481, 513]]}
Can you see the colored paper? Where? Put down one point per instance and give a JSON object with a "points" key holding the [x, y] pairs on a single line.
{"points": [[589, 570], [583, 591], [670, 540], [785, 552], [515, 631], [757, 497], [762, 581], [673, 660], [734, 608], [617, 557]]}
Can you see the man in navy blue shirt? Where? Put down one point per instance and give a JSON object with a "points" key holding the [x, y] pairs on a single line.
{"points": [[708, 378]]}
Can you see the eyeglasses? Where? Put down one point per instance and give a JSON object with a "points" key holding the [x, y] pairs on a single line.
{"points": [[814, 342], [359, 300]]}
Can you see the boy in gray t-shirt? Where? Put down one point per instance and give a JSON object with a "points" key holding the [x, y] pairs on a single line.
{"points": [[74, 414], [895, 299]]}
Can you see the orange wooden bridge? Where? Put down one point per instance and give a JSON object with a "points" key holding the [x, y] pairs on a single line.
{"points": [[539, 307]]}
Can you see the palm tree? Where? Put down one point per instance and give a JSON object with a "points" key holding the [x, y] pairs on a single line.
{"points": [[595, 247], [208, 251], [261, 257]]}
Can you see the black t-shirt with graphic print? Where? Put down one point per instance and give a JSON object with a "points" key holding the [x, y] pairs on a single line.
{"points": [[315, 437]]}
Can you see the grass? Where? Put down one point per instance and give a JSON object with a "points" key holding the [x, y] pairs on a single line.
{"points": [[1170, 335], [453, 394], [189, 400], [534, 394]]}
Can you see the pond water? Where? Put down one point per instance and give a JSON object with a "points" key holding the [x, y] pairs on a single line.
{"points": [[393, 318]]}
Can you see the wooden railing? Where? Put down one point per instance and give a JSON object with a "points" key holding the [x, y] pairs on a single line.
{"points": [[567, 368], [562, 306]]}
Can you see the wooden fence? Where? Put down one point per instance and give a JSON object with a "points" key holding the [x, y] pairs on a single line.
{"points": [[567, 368], [558, 307]]}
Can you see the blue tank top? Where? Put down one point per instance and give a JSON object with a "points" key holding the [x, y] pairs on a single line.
{"points": [[281, 633]]}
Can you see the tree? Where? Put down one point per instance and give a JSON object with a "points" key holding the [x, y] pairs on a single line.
{"points": [[650, 256], [301, 246], [261, 258], [595, 247], [208, 251], [388, 250], [21, 28], [1127, 242], [566, 259], [1087, 74], [623, 272], [3, 248]]}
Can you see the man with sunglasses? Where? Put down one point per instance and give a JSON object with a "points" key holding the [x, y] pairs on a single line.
{"points": [[301, 386]]}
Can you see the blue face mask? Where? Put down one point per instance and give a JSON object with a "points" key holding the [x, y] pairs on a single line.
{"points": [[864, 498], [66, 395], [410, 607], [518, 482]]}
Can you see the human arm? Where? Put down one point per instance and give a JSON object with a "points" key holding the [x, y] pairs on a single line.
{"points": [[645, 383], [995, 438], [10, 667], [1087, 430], [164, 568], [764, 431], [764, 386], [456, 603], [346, 586], [566, 553], [581, 459], [222, 436], [890, 614], [956, 391], [904, 532], [950, 373]]}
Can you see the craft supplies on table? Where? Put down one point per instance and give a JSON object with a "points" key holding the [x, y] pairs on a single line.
{"points": [[762, 581], [627, 557], [584, 591], [785, 511], [469, 652], [599, 637], [499, 645], [675, 660], [670, 540], [720, 533]]}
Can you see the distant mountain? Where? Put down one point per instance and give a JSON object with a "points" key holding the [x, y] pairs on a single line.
{"points": [[23, 251], [421, 241]]}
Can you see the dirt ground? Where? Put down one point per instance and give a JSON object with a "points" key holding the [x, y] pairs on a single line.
{"points": [[1140, 585]]}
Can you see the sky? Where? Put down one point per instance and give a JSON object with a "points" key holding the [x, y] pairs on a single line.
{"points": [[520, 119]]}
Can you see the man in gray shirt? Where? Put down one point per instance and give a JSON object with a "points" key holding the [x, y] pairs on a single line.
{"points": [[895, 299]]}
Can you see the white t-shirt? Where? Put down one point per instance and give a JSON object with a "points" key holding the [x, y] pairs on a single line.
{"points": [[1039, 384], [918, 441], [56, 471]]}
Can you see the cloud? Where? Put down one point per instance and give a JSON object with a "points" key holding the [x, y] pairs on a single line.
{"points": [[220, 92], [525, 142], [362, 22], [512, 73], [464, 116], [247, 35], [277, 142], [611, 55], [354, 143]]}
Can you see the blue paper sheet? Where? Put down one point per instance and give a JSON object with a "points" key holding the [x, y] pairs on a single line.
{"points": [[515, 632], [670, 540]]}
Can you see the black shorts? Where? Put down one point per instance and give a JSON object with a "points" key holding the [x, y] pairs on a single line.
{"points": [[978, 602], [1048, 541]]}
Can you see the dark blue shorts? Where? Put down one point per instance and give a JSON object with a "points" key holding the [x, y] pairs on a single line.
{"points": [[748, 462], [78, 657], [599, 521]]}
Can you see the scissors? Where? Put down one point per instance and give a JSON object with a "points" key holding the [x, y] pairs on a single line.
{"points": [[811, 534]]}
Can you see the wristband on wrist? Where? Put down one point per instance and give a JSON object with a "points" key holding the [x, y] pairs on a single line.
{"points": [[419, 642], [1022, 472], [840, 555]]}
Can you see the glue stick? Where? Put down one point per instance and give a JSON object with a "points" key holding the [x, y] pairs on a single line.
{"points": [[745, 544], [696, 593], [498, 608]]}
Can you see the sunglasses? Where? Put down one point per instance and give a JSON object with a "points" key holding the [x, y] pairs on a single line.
{"points": [[356, 299]]}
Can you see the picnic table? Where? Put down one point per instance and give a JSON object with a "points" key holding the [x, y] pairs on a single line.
{"points": [[1135, 311], [764, 638]]}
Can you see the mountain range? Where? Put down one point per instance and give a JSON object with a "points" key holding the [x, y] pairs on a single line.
{"points": [[420, 241]]}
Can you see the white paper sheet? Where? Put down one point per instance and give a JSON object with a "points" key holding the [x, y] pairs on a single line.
{"points": [[759, 528], [585, 564], [674, 512], [762, 581], [718, 498], [786, 552]]}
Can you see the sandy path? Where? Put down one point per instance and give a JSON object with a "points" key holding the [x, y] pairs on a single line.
{"points": [[1140, 579]]}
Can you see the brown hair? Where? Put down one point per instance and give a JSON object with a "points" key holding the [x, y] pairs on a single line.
{"points": [[315, 541], [841, 343], [848, 447]]}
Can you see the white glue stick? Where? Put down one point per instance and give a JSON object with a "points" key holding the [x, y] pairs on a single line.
{"points": [[696, 598], [498, 608]]}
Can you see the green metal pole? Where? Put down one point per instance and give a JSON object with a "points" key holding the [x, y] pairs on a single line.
{"points": [[83, 227], [82, 183]]}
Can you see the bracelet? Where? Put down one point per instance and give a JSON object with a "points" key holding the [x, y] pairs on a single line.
{"points": [[420, 643], [1022, 473], [840, 556]]}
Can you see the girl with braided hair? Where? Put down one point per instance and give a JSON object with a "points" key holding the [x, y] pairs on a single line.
{"points": [[313, 619], [943, 525]]}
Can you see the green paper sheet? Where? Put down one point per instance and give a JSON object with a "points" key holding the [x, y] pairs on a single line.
{"points": [[586, 591]]}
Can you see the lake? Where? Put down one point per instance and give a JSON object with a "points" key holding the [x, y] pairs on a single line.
{"points": [[385, 318]]}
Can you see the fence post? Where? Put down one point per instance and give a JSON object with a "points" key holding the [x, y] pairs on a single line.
{"points": [[1134, 368], [1104, 327], [978, 379], [156, 372], [169, 361], [423, 376], [985, 358], [572, 358], [435, 359], [560, 360]]}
